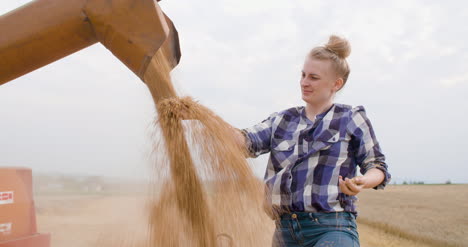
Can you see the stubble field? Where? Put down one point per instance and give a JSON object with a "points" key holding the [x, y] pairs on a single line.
{"points": [[400, 215]]}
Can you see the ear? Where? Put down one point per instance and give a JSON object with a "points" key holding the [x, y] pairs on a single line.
{"points": [[338, 84]]}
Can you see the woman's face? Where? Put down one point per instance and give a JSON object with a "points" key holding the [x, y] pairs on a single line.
{"points": [[318, 81]]}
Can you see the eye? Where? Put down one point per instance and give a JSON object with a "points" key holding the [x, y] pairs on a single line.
{"points": [[312, 77]]}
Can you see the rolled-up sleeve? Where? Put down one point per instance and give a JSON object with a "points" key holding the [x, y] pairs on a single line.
{"points": [[368, 152], [258, 137]]}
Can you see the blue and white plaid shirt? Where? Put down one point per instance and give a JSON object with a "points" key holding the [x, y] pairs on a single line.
{"points": [[306, 157]]}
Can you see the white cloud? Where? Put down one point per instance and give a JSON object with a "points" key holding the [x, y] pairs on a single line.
{"points": [[455, 80]]}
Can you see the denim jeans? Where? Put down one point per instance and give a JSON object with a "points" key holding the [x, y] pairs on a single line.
{"points": [[316, 229]]}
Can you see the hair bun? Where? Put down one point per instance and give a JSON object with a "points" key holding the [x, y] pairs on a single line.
{"points": [[339, 46]]}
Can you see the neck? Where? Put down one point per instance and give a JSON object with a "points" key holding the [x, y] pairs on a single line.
{"points": [[314, 110]]}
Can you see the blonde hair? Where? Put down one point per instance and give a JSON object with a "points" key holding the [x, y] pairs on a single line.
{"points": [[336, 50]]}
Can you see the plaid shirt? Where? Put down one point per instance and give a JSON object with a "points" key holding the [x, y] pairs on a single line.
{"points": [[306, 157]]}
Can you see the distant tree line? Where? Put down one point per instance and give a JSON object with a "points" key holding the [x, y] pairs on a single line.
{"points": [[421, 182]]}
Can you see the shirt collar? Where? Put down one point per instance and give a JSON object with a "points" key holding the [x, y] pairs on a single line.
{"points": [[318, 116]]}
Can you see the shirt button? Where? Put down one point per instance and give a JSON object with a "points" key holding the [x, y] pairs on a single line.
{"points": [[290, 176]]}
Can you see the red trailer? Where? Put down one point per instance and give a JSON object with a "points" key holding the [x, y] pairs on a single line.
{"points": [[17, 212]]}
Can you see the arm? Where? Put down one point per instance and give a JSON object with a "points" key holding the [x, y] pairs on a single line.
{"points": [[368, 154], [372, 178], [256, 139]]}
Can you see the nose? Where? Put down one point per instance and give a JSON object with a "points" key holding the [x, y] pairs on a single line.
{"points": [[304, 83]]}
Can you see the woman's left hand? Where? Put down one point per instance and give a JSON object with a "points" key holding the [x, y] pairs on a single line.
{"points": [[352, 186]]}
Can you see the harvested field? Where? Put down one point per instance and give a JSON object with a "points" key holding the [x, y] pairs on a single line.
{"points": [[401, 215]]}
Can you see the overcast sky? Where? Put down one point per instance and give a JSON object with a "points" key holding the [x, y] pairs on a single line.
{"points": [[89, 114]]}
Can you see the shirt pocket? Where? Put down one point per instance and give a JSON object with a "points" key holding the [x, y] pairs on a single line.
{"points": [[283, 152], [328, 139]]}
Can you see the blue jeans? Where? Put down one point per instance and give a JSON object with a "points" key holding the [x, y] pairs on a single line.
{"points": [[336, 229]]}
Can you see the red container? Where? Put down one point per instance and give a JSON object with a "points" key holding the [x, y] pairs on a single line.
{"points": [[17, 212], [37, 240]]}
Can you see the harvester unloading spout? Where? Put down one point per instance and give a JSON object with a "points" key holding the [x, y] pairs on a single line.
{"points": [[44, 31]]}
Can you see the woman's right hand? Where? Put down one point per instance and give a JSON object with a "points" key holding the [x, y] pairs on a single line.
{"points": [[240, 138]]}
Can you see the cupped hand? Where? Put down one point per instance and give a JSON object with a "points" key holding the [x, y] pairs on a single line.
{"points": [[352, 186]]}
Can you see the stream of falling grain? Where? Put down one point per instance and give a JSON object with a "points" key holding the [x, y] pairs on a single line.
{"points": [[203, 192]]}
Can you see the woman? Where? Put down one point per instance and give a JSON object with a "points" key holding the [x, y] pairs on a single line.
{"points": [[311, 182]]}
